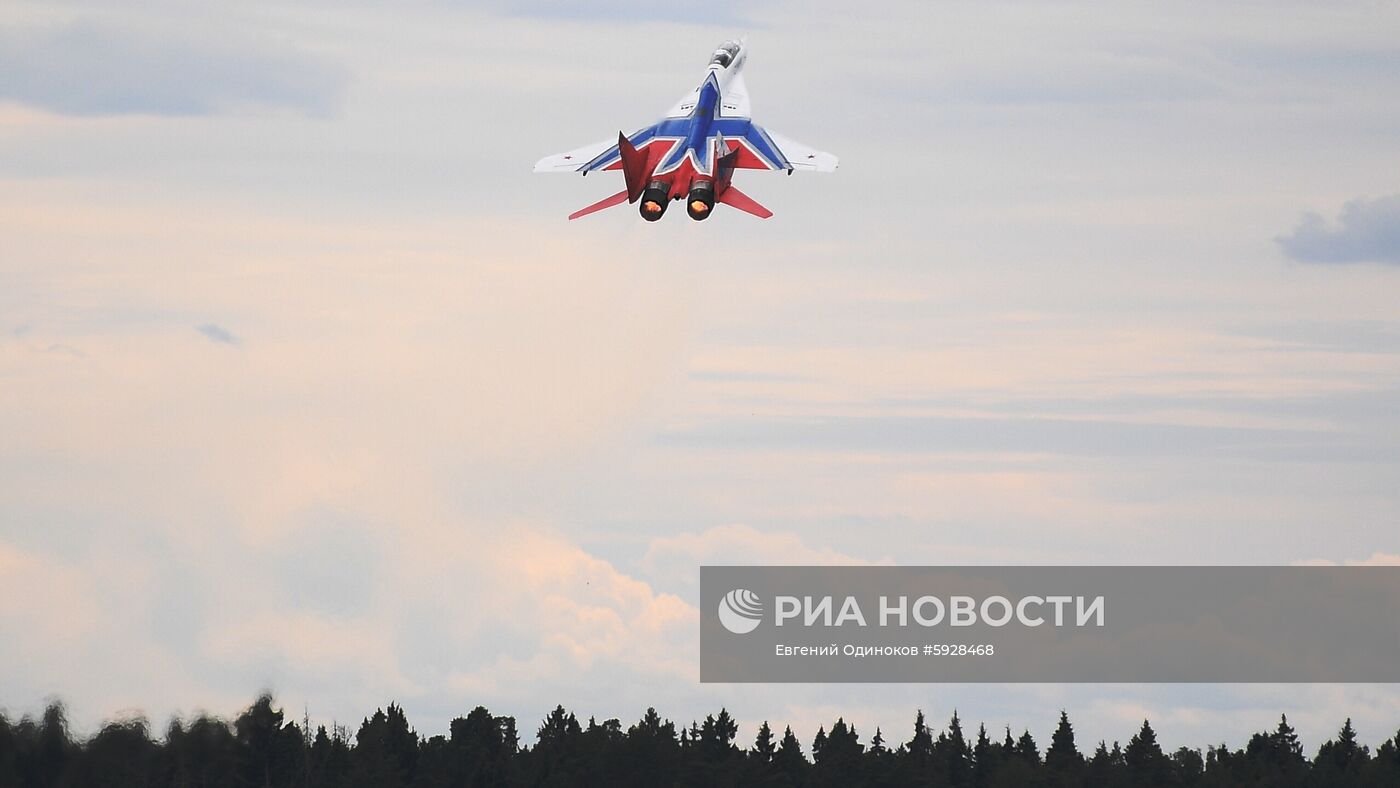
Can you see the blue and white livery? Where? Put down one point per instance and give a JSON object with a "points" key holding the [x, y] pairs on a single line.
{"points": [[693, 151]]}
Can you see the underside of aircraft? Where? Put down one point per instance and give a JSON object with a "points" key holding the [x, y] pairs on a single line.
{"points": [[694, 151]]}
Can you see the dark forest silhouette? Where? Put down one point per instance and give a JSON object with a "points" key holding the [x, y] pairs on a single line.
{"points": [[263, 749]]}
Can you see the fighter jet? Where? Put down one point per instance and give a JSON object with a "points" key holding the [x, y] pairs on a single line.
{"points": [[692, 153]]}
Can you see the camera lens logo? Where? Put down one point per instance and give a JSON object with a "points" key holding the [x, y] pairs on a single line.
{"points": [[740, 611]]}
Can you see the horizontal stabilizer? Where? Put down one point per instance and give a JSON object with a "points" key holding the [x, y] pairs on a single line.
{"points": [[737, 199], [606, 202]]}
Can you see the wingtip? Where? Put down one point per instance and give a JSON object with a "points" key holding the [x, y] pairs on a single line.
{"points": [[606, 202], [737, 199]]}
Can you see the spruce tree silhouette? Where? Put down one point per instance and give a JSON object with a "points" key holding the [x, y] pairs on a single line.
{"points": [[1063, 762], [877, 744], [713, 757], [261, 749], [789, 763], [1276, 758], [880, 762], [952, 757], [1341, 762], [916, 759], [838, 761], [650, 752], [986, 759], [763, 746], [555, 758], [328, 762], [1106, 767], [1384, 769], [1147, 765]]}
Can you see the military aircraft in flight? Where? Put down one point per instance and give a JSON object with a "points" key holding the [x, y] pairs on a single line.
{"points": [[692, 153]]}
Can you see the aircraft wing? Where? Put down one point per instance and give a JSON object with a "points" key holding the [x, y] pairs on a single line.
{"points": [[574, 160], [735, 101], [801, 157]]}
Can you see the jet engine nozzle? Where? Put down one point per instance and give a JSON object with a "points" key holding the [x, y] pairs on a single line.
{"points": [[654, 199], [700, 203]]}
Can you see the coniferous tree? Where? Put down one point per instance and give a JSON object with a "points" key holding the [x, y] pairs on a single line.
{"points": [[1019, 762], [952, 756], [758, 767], [1276, 758], [838, 761], [261, 749], [1147, 765], [652, 751], [600, 748], [328, 762], [714, 758], [1026, 748], [555, 759], [1384, 769], [916, 760], [789, 763], [1106, 768], [818, 744], [1223, 765], [986, 759], [1063, 762], [877, 744], [1341, 762], [763, 746], [880, 763], [385, 752], [717, 737]]}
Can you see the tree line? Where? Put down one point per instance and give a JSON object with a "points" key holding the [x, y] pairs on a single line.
{"points": [[260, 748]]}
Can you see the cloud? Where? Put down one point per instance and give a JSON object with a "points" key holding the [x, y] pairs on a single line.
{"points": [[296, 519], [96, 67], [217, 333], [954, 435], [674, 561], [1367, 231], [741, 544], [615, 11]]}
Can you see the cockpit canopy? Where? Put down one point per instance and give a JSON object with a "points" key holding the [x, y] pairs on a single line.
{"points": [[725, 54]]}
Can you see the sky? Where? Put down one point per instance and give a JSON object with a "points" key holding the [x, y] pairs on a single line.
{"points": [[307, 385]]}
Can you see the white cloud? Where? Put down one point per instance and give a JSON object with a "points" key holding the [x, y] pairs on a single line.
{"points": [[461, 391], [675, 561]]}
